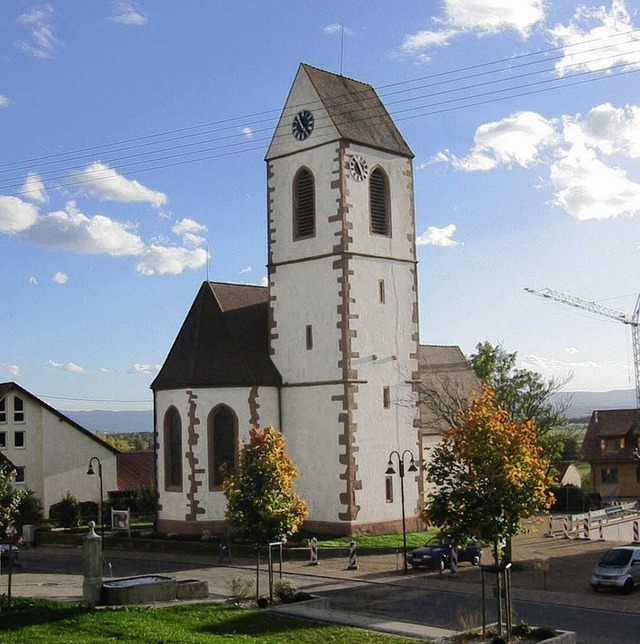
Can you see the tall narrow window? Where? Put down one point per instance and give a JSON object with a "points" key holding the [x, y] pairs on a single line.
{"points": [[304, 205], [19, 440], [3, 410], [20, 474], [222, 438], [172, 450], [388, 489], [379, 203], [18, 410], [3, 440], [381, 293], [386, 397], [309, 337]]}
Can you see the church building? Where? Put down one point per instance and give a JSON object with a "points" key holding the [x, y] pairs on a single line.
{"points": [[328, 352]]}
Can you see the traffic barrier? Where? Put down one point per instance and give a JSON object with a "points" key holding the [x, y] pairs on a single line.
{"points": [[566, 527], [636, 531], [454, 560], [600, 531], [586, 528], [314, 552], [353, 559]]}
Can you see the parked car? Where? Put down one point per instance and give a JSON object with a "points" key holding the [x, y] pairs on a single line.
{"points": [[4, 552], [436, 554], [618, 568]]}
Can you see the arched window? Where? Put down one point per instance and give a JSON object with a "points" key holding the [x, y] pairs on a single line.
{"points": [[172, 436], [304, 205], [379, 203], [222, 435]]}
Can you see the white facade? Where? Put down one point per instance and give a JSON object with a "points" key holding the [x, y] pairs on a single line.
{"points": [[53, 453]]}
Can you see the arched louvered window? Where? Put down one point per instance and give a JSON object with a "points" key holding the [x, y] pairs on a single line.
{"points": [[304, 205], [379, 203], [172, 438], [222, 439]]}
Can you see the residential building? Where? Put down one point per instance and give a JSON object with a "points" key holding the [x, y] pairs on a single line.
{"points": [[51, 452]]}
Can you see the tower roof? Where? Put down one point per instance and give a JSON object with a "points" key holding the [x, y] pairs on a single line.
{"points": [[353, 108], [222, 342]]}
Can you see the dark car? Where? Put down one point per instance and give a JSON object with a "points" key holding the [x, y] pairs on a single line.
{"points": [[4, 552], [436, 554]]}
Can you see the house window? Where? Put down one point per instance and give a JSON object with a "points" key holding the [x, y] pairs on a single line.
{"points": [[3, 440], [172, 435], [3, 410], [222, 436], [309, 337], [386, 397], [304, 205], [379, 203], [19, 439], [388, 489], [609, 475], [18, 410], [20, 474], [381, 293]]}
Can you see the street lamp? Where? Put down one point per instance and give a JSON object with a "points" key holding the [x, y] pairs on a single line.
{"points": [[390, 470], [90, 472]]}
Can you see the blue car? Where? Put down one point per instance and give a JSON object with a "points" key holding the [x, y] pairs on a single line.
{"points": [[436, 554]]}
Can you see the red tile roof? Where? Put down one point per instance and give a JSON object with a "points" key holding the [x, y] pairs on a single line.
{"points": [[611, 423], [136, 470]]}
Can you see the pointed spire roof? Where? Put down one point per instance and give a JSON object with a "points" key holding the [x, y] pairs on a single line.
{"points": [[354, 111], [223, 341]]}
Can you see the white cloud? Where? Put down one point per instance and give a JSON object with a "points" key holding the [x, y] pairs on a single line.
{"points": [[613, 130], [128, 13], [38, 21], [60, 278], [33, 280], [70, 367], [33, 188], [264, 281], [162, 260], [72, 231], [571, 350], [596, 39], [4, 101], [188, 229], [336, 28], [247, 132], [16, 215], [492, 16], [434, 236], [12, 369], [102, 182], [246, 269], [145, 368], [517, 139]]}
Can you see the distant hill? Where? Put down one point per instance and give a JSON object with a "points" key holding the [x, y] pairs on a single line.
{"points": [[113, 422], [583, 403]]}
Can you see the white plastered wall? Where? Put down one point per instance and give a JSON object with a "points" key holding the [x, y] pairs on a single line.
{"points": [[174, 504]]}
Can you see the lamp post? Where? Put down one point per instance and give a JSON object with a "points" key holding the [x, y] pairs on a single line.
{"points": [[90, 472], [390, 470]]}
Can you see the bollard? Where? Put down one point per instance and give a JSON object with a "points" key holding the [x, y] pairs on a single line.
{"points": [[454, 560], [91, 567], [585, 528], [565, 528], [314, 552], [636, 536], [550, 533], [353, 559], [600, 530]]}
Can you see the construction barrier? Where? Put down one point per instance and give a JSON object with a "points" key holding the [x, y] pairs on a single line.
{"points": [[353, 559], [566, 526], [454, 561], [586, 528], [636, 531], [600, 530]]}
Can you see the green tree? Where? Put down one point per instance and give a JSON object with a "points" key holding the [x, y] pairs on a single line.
{"points": [[10, 498], [262, 505], [523, 394]]}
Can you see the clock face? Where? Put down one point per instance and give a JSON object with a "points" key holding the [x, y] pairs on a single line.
{"points": [[302, 125], [358, 167]]}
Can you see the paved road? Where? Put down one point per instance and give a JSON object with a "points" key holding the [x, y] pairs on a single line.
{"points": [[376, 589]]}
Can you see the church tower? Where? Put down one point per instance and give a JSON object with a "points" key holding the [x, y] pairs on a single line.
{"points": [[343, 312]]}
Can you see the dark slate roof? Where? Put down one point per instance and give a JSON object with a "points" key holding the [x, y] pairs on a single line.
{"points": [[7, 387], [223, 341], [357, 112], [610, 423], [136, 470]]}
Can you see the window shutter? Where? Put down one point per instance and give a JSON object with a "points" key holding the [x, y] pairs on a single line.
{"points": [[305, 207], [378, 198]]}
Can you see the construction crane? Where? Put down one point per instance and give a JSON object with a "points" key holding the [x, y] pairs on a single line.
{"points": [[593, 307]]}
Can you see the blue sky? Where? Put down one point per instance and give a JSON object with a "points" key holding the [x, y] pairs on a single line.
{"points": [[131, 167]]}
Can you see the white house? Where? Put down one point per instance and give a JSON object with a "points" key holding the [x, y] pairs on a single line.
{"points": [[328, 352], [51, 452]]}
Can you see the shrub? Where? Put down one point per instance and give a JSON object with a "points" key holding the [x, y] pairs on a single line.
{"points": [[285, 590], [67, 511], [239, 589], [29, 509]]}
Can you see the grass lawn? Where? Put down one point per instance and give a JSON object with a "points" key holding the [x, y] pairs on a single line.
{"points": [[414, 540], [32, 620]]}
